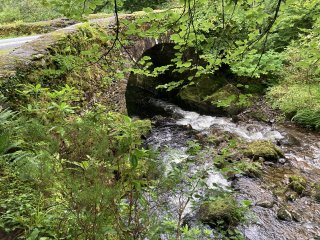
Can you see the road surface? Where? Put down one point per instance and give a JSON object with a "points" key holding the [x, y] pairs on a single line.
{"points": [[11, 43]]}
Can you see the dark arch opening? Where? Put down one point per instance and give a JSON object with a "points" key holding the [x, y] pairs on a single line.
{"points": [[140, 89]]}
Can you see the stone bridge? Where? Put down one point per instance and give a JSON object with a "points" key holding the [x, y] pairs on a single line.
{"points": [[25, 57]]}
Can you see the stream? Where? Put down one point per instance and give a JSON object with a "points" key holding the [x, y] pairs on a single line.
{"points": [[175, 127]]}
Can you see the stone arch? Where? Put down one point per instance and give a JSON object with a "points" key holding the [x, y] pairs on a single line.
{"points": [[134, 52], [141, 88]]}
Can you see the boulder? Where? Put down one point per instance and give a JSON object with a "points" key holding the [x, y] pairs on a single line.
{"points": [[284, 214], [221, 209], [263, 149], [227, 100], [265, 203], [193, 96]]}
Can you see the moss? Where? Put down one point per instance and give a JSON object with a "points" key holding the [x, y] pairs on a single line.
{"points": [[249, 168], [230, 99], [264, 149], [205, 86], [297, 183], [221, 210]]}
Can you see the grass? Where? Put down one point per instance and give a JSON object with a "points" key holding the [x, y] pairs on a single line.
{"points": [[5, 52], [18, 29], [300, 102]]}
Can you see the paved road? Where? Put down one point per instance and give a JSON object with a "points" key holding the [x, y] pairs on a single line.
{"points": [[12, 43]]}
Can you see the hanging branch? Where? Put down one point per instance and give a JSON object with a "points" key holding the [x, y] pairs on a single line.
{"points": [[270, 25], [223, 16], [115, 40], [84, 7], [233, 10], [262, 52]]}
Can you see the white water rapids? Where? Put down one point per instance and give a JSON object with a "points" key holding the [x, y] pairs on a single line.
{"points": [[203, 122], [169, 139]]}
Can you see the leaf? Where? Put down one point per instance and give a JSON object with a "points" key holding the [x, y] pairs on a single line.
{"points": [[147, 10], [133, 161], [34, 235]]}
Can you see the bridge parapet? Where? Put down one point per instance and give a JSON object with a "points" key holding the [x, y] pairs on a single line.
{"points": [[34, 57]]}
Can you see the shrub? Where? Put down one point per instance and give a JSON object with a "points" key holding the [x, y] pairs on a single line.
{"points": [[300, 102]]}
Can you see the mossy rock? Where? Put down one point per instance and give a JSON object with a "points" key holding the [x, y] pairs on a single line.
{"points": [[194, 95], [230, 99], [297, 183], [203, 87], [249, 168], [265, 149], [284, 214], [220, 211]]}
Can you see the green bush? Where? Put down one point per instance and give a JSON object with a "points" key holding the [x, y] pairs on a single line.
{"points": [[22, 28], [300, 102], [25, 10]]}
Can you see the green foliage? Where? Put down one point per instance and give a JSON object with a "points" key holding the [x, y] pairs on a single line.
{"points": [[68, 172], [296, 17], [136, 5], [49, 105], [248, 168], [297, 94], [70, 179], [25, 10], [301, 102], [77, 177], [79, 8], [194, 147]]}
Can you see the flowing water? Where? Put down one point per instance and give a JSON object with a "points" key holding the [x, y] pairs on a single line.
{"points": [[176, 127]]}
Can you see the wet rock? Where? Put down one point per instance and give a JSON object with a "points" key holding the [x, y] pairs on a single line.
{"points": [[200, 136], [193, 96], [284, 214], [229, 94], [189, 220], [269, 163], [295, 216], [290, 141], [265, 203], [291, 196], [264, 149], [282, 160]]}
